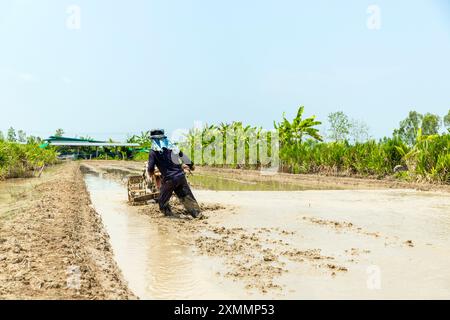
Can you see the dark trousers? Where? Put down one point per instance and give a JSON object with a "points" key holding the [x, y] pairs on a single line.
{"points": [[181, 188]]}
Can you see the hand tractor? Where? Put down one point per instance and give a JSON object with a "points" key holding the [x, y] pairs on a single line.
{"points": [[143, 188]]}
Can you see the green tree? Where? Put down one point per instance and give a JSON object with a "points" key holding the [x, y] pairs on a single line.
{"points": [[2, 137], [359, 131], [59, 132], [11, 135], [34, 140], [21, 136], [339, 126], [143, 139], [293, 132], [447, 120], [430, 124], [409, 127]]}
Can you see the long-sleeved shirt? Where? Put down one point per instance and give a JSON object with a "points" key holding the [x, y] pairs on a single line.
{"points": [[168, 163]]}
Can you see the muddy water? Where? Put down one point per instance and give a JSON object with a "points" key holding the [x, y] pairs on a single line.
{"points": [[375, 246], [220, 183], [156, 263], [393, 244]]}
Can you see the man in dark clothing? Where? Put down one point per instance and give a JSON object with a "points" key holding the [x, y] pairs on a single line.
{"points": [[169, 160]]}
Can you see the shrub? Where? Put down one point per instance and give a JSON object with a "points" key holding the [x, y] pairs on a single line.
{"points": [[20, 160]]}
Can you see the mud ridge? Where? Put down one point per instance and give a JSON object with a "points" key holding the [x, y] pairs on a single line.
{"points": [[56, 246]]}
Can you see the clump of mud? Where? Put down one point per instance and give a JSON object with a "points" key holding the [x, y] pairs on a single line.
{"points": [[409, 243], [152, 209], [302, 255], [348, 226], [315, 258], [246, 256], [356, 251], [341, 225]]}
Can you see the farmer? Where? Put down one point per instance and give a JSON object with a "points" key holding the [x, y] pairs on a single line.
{"points": [[169, 159]]}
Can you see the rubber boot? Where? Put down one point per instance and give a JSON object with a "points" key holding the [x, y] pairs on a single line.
{"points": [[196, 213], [168, 212], [191, 206]]}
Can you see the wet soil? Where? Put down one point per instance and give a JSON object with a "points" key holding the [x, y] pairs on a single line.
{"points": [[52, 243], [299, 244]]}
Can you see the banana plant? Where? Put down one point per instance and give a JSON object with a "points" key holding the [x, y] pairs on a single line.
{"points": [[293, 132]]}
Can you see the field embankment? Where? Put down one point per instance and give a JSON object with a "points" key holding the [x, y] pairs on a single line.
{"points": [[276, 181], [52, 243], [317, 181]]}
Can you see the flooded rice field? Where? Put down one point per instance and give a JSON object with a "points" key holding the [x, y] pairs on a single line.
{"points": [[157, 263], [380, 244]]}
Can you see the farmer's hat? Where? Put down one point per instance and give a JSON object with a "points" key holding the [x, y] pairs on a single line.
{"points": [[157, 134]]}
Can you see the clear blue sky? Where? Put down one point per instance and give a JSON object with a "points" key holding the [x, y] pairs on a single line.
{"points": [[139, 64]]}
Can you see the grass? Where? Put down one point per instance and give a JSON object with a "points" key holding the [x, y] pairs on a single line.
{"points": [[429, 159], [370, 158]]}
